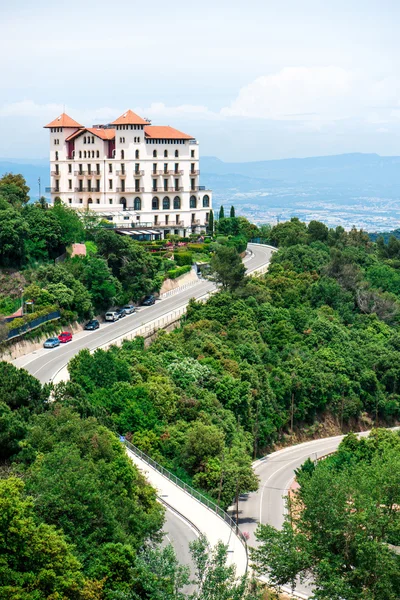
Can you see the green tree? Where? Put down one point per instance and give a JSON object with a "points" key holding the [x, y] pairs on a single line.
{"points": [[14, 189], [37, 562], [221, 212], [71, 225], [210, 227], [13, 232], [232, 212], [317, 231], [227, 267]]}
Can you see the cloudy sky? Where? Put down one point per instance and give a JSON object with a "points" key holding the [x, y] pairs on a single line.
{"points": [[252, 80]]}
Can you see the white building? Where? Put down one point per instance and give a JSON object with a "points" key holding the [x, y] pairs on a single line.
{"points": [[136, 175]]}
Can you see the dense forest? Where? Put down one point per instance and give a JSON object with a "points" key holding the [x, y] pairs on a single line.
{"points": [[262, 361], [342, 525]]}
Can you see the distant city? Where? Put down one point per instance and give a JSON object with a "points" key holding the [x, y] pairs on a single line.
{"points": [[350, 189]]}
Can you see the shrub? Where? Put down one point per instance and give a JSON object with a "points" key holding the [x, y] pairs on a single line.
{"points": [[183, 258], [174, 273]]}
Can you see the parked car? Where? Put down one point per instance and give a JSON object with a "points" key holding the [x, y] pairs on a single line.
{"points": [[51, 343], [129, 309], [121, 312], [112, 315], [65, 337], [148, 300], [92, 325]]}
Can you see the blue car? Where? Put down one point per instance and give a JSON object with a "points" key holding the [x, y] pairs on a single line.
{"points": [[51, 343]]}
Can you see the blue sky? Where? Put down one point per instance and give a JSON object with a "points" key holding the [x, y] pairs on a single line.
{"points": [[251, 80]]}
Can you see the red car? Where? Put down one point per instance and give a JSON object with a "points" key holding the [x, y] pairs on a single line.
{"points": [[65, 336]]}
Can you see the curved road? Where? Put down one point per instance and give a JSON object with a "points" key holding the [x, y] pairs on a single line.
{"points": [[45, 363]]}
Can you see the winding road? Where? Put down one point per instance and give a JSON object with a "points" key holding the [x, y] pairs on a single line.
{"points": [[275, 471]]}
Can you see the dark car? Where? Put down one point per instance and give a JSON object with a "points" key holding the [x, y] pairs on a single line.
{"points": [[121, 312], [148, 300], [92, 325], [65, 337]]}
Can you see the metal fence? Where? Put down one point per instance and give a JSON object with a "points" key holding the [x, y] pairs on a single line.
{"points": [[33, 324], [191, 491]]}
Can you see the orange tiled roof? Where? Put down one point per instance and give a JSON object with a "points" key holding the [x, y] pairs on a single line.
{"points": [[104, 134], [129, 118], [63, 121], [166, 133]]}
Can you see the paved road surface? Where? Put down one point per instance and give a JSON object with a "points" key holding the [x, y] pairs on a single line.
{"points": [[45, 363]]}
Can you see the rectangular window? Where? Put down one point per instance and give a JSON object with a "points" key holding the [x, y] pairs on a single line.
{"points": [[176, 167], [80, 185], [97, 200], [69, 168], [155, 220], [122, 185], [80, 201], [110, 182], [193, 184], [177, 219], [177, 185], [122, 169], [57, 186], [166, 219], [70, 184], [97, 185], [89, 186], [154, 185], [80, 170], [110, 168], [193, 217], [89, 169], [154, 167], [110, 200], [165, 185], [98, 169], [69, 200], [137, 182], [192, 166], [137, 168], [165, 167], [192, 153], [57, 169]]}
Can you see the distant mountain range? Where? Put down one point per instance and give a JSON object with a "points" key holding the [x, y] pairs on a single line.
{"points": [[346, 189]]}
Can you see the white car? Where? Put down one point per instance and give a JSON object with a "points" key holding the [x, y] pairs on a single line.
{"points": [[112, 316], [129, 309]]}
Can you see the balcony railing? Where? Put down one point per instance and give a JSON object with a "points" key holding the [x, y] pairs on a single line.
{"points": [[129, 190], [156, 173], [55, 173], [195, 172], [83, 172], [195, 222], [82, 189], [138, 173], [178, 172], [52, 190], [121, 173], [198, 188]]}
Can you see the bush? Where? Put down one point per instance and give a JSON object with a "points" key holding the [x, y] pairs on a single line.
{"points": [[183, 258], [174, 273]]}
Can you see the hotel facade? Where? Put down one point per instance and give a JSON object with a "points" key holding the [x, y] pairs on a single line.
{"points": [[138, 176]]}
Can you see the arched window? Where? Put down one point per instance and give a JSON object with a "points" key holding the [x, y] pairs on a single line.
{"points": [[84, 154], [177, 203], [92, 153], [123, 202], [166, 204], [122, 154], [165, 153], [137, 204], [154, 153], [206, 201], [56, 154], [84, 139], [90, 201], [80, 153], [176, 153], [136, 154], [98, 154], [155, 203], [193, 202]]}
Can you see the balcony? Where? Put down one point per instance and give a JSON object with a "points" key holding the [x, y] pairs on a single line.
{"points": [[177, 173], [121, 173], [55, 173], [82, 189], [195, 172], [82, 173], [52, 190], [199, 188], [138, 173], [171, 224], [195, 222], [156, 173], [129, 190]]}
